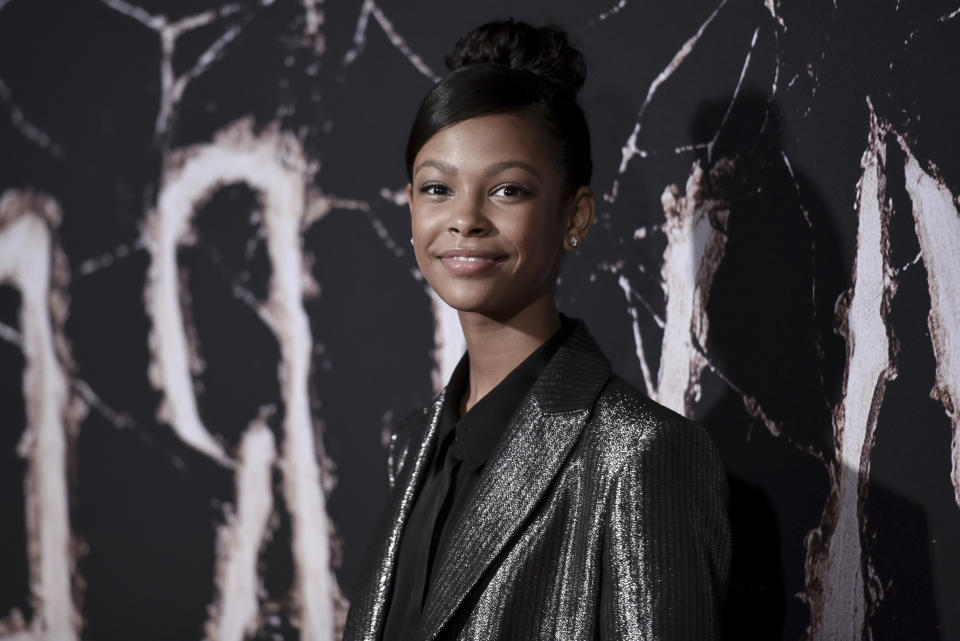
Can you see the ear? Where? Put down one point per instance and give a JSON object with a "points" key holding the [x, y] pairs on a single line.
{"points": [[581, 218], [410, 197]]}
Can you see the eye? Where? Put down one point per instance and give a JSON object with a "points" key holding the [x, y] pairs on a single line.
{"points": [[510, 190], [434, 189]]}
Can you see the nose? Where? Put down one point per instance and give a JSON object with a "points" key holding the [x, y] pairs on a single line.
{"points": [[467, 218]]}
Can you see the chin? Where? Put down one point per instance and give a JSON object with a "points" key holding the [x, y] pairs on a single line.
{"points": [[495, 306], [472, 304], [472, 299]]}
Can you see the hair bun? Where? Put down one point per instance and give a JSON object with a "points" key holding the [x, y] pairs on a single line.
{"points": [[544, 51]]}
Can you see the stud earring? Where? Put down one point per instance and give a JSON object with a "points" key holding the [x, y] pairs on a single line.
{"points": [[574, 242]]}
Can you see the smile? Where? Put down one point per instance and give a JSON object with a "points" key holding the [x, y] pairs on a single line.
{"points": [[468, 259], [469, 263]]}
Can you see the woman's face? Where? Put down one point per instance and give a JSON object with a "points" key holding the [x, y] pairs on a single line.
{"points": [[489, 214]]}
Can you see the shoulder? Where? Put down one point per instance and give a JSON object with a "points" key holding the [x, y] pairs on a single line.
{"points": [[627, 425], [630, 414], [664, 512], [660, 462]]}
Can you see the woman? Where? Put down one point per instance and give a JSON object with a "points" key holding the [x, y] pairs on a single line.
{"points": [[539, 496]]}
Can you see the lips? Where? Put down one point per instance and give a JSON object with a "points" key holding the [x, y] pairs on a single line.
{"points": [[470, 262]]}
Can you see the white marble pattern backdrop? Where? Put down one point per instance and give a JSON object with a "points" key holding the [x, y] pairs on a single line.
{"points": [[210, 317]]}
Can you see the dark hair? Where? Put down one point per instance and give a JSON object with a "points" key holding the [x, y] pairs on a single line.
{"points": [[512, 67]]}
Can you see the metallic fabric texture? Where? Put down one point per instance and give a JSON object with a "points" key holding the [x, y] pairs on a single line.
{"points": [[600, 515]]}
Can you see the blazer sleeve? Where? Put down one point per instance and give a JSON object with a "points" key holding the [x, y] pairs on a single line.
{"points": [[666, 545]]}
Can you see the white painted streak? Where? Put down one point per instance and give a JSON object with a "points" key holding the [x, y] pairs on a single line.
{"points": [[771, 6], [693, 253], [396, 196], [637, 338], [313, 20], [139, 14], [838, 605], [937, 221], [316, 586], [370, 8], [612, 11], [170, 372], [448, 341], [241, 538], [755, 410], [359, 33], [31, 131], [273, 164], [313, 15], [172, 86], [118, 419], [11, 335], [736, 92], [319, 205], [401, 45], [630, 148], [26, 261], [107, 259]]}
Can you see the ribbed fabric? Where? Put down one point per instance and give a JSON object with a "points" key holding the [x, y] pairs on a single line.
{"points": [[466, 445], [601, 515]]}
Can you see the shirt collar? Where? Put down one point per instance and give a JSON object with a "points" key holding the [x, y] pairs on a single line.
{"points": [[479, 430]]}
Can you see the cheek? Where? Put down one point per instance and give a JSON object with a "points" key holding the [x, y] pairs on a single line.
{"points": [[539, 240], [417, 226], [422, 235]]}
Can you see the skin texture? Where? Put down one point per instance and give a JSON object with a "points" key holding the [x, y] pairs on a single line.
{"points": [[491, 218]]}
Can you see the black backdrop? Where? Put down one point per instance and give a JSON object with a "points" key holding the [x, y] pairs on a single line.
{"points": [[209, 310]]}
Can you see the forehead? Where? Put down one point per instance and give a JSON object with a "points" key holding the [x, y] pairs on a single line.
{"points": [[485, 140]]}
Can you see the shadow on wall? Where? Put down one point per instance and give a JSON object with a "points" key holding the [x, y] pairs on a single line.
{"points": [[758, 601], [775, 378]]}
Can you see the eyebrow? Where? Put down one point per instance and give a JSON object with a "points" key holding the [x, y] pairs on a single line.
{"points": [[510, 164], [492, 170], [438, 164]]}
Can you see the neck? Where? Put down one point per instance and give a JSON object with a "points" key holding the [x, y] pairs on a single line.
{"points": [[497, 346]]}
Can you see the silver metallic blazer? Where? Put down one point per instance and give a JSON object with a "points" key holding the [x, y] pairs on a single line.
{"points": [[600, 515]]}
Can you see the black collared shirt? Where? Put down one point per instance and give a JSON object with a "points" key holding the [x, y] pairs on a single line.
{"points": [[469, 441]]}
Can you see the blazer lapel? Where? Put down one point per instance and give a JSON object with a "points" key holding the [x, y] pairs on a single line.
{"points": [[374, 594], [520, 471]]}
